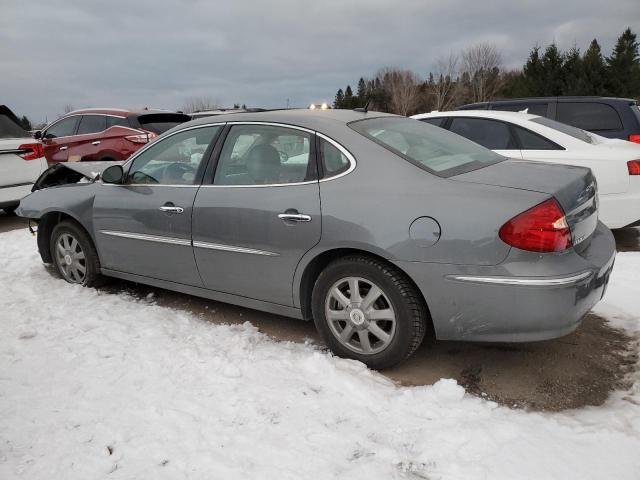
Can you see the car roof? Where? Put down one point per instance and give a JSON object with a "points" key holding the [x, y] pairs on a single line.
{"points": [[496, 114], [565, 98], [306, 118], [120, 112]]}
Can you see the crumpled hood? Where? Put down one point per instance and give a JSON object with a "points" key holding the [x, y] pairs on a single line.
{"points": [[71, 172]]}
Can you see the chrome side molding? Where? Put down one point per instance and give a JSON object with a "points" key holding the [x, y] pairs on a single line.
{"points": [[148, 238], [231, 248], [189, 243]]}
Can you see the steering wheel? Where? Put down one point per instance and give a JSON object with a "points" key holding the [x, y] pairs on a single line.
{"points": [[141, 177], [176, 171]]}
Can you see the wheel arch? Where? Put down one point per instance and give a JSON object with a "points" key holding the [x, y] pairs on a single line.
{"points": [[313, 268], [46, 224]]}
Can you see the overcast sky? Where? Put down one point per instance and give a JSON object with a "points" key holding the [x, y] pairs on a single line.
{"points": [[155, 53]]}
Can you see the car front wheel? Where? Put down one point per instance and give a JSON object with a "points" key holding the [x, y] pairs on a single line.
{"points": [[74, 255], [367, 310]]}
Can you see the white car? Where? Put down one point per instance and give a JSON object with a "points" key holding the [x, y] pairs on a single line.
{"points": [[21, 160], [615, 163]]}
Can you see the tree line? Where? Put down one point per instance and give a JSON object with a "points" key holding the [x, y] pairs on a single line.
{"points": [[477, 75]]}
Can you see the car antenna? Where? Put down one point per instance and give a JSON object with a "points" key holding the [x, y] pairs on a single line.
{"points": [[364, 109]]}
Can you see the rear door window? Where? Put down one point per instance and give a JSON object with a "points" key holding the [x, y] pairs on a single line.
{"points": [[334, 162], [532, 108], [64, 128], [532, 141], [589, 115], [116, 121], [265, 155], [491, 134], [92, 124]]}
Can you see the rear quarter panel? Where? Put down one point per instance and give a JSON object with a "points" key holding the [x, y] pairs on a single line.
{"points": [[372, 209]]}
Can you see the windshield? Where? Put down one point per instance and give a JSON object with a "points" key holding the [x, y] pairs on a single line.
{"points": [[436, 150], [574, 132]]}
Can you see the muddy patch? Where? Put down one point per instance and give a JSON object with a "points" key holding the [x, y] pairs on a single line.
{"points": [[580, 369]]}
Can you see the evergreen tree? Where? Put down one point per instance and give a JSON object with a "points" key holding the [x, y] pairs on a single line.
{"points": [[552, 71], [362, 93], [348, 98], [623, 67], [26, 123], [533, 76], [592, 81], [339, 100], [572, 72]]}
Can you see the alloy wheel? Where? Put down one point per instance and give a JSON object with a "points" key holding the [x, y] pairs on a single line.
{"points": [[70, 258], [360, 315]]}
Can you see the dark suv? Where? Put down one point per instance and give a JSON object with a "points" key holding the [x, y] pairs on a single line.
{"points": [[606, 116], [104, 133]]}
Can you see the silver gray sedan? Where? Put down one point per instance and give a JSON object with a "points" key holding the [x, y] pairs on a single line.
{"points": [[379, 228]]}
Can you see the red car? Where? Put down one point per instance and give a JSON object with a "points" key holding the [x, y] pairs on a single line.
{"points": [[104, 133]]}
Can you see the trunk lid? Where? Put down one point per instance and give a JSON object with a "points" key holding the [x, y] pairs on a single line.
{"points": [[573, 187]]}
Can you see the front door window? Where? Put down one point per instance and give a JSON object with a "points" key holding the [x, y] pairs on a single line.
{"points": [[175, 160]]}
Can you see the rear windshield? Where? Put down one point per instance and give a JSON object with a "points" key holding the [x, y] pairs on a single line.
{"points": [[10, 129], [574, 132], [161, 122], [431, 148]]}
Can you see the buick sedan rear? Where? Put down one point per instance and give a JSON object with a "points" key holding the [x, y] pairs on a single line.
{"points": [[379, 228]]}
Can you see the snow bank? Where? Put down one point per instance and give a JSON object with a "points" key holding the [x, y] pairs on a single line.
{"points": [[95, 384]]}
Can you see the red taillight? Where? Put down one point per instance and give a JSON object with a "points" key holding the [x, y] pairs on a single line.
{"points": [[635, 138], [141, 138], [33, 151], [542, 228], [634, 167]]}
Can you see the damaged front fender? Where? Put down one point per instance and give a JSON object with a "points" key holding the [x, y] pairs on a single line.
{"points": [[71, 172]]}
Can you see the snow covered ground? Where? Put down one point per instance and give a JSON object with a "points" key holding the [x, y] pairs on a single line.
{"points": [[97, 385]]}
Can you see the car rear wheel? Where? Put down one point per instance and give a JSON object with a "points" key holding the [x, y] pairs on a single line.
{"points": [[369, 311], [74, 255]]}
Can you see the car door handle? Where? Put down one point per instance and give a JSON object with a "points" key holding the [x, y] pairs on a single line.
{"points": [[97, 142], [171, 209], [294, 217], [63, 148]]}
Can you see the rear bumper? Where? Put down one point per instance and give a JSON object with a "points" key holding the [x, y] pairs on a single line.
{"points": [[11, 194], [504, 304], [620, 210]]}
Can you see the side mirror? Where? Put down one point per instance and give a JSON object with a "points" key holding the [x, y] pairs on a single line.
{"points": [[113, 174], [37, 134]]}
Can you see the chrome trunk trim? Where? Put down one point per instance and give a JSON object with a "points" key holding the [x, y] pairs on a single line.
{"points": [[523, 281]]}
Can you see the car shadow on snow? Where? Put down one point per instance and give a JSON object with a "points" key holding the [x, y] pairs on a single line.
{"points": [[580, 369]]}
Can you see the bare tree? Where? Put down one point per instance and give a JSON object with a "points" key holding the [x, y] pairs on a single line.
{"points": [[401, 88], [68, 108], [197, 104], [445, 86], [482, 63]]}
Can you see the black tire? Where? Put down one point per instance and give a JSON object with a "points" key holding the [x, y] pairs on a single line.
{"points": [[411, 314], [10, 210], [91, 262]]}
